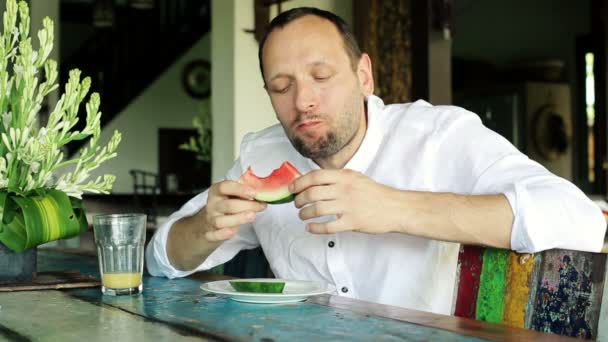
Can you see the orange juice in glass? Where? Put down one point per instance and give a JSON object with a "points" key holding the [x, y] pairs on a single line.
{"points": [[121, 280], [120, 242]]}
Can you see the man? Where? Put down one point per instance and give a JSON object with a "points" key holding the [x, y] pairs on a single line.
{"points": [[386, 190]]}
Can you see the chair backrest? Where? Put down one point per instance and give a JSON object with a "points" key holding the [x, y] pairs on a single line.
{"points": [[556, 291], [146, 184]]}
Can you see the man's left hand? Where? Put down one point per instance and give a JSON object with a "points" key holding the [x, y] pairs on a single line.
{"points": [[358, 202]]}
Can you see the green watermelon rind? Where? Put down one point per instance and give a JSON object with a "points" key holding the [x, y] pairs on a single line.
{"points": [[278, 197], [283, 200], [258, 286]]}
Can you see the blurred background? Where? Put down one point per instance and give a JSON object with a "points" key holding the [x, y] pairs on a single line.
{"points": [[172, 70]]}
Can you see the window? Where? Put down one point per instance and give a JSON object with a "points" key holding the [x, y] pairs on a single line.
{"points": [[590, 114]]}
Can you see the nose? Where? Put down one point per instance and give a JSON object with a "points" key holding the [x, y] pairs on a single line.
{"points": [[306, 97]]}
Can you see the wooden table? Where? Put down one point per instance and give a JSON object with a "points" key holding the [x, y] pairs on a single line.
{"points": [[177, 309]]}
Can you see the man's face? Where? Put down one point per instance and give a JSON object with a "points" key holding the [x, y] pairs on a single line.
{"points": [[317, 96]]}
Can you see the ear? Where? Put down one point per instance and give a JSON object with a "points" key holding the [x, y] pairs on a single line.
{"points": [[365, 75]]}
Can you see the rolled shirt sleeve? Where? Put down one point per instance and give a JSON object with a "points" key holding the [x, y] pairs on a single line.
{"points": [[157, 261], [549, 211]]}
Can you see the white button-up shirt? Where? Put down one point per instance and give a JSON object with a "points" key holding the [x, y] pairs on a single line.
{"points": [[413, 146]]}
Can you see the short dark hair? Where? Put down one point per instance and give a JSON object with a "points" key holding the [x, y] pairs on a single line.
{"points": [[348, 38]]}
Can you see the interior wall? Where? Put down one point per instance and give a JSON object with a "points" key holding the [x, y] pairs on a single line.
{"points": [[164, 104]]}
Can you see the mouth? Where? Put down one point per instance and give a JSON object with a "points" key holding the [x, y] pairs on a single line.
{"points": [[303, 126]]}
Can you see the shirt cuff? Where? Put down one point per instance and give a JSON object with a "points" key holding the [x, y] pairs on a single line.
{"points": [[545, 219], [520, 240], [157, 260]]}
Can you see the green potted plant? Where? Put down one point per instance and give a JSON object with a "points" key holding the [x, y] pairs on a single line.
{"points": [[41, 189], [200, 144]]}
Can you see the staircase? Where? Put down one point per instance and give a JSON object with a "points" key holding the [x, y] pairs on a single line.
{"points": [[126, 57]]}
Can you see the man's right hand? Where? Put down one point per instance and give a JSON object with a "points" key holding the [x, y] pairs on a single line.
{"points": [[229, 205], [192, 239]]}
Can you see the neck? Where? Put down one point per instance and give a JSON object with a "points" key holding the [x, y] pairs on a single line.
{"points": [[340, 159]]}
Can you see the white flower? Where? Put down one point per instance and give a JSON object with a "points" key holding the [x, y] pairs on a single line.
{"points": [[82, 177], [18, 69], [6, 142], [69, 188], [9, 86], [7, 117], [35, 167], [33, 154]]}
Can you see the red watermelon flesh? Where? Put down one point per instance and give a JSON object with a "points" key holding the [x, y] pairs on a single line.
{"points": [[272, 189]]}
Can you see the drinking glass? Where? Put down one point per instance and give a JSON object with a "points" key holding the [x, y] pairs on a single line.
{"points": [[120, 242]]}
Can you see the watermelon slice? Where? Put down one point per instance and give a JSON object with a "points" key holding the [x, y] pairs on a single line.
{"points": [[258, 286], [272, 189]]}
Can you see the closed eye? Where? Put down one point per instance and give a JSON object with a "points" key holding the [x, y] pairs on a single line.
{"points": [[281, 90], [322, 78]]}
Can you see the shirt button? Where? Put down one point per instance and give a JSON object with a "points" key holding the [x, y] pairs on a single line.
{"points": [[344, 289], [331, 244]]}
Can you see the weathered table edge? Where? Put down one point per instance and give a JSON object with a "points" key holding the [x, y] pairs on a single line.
{"points": [[459, 325]]}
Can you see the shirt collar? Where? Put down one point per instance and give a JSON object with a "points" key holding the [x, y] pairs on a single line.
{"points": [[366, 153]]}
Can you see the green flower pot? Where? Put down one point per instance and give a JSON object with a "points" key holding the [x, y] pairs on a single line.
{"points": [[39, 217]]}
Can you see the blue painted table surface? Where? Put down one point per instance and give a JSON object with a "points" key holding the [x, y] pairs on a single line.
{"points": [[178, 309]]}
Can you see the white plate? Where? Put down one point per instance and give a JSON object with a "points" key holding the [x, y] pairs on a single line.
{"points": [[294, 290]]}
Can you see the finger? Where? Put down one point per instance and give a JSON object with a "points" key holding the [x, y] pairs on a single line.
{"points": [[234, 189], [225, 221], [235, 206], [316, 177], [315, 194], [221, 234], [330, 227], [318, 209]]}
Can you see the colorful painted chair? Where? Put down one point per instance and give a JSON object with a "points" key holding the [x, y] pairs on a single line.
{"points": [[556, 291]]}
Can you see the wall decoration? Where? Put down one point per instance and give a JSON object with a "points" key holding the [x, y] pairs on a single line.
{"points": [[196, 79]]}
